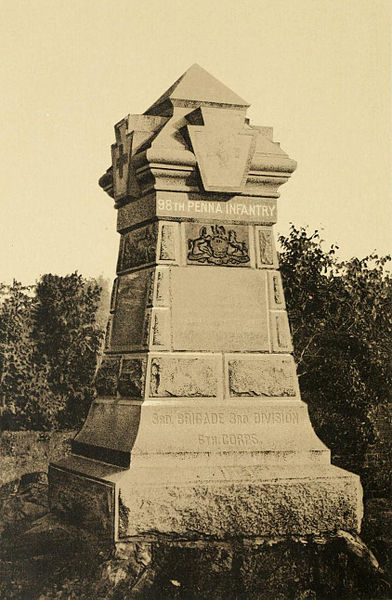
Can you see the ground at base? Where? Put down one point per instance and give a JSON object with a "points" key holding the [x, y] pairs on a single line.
{"points": [[43, 558]]}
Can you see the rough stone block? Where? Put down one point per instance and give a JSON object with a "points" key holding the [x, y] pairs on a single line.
{"points": [[275, 289], [176, 376], [160, 329], [132, 377], [259, 501], [262, 375], [169, 242], [146, 329], [162, 287], [266, 257], [280, 332], [138, 247], [108, 332], [128, 320], [113, 296], [106, 379], [90, 503]]}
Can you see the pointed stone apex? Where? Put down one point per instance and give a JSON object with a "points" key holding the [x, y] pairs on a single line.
{"points": [[196, 85]]}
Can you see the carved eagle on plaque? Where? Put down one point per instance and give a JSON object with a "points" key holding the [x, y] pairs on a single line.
{"points": [[216, 246]]}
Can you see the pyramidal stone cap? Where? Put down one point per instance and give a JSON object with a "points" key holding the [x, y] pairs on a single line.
{"points": [[195, 139], [196, 87]]}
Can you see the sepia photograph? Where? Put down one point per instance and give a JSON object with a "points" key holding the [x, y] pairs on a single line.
{"points": [[196, 300]]}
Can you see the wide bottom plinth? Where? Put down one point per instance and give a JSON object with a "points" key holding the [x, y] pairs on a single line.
{"points": [[215, 502]]}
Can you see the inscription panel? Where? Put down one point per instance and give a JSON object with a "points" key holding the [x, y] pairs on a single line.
{"points": [[188, 206], [219, 309], [192, 417], [278, 428], [240, 208]]}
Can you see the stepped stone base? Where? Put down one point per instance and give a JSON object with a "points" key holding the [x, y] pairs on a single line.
{"points": [[200, 501]]}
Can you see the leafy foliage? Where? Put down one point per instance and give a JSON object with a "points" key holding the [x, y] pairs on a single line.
{"points": [[49, 343], [341, 319]]}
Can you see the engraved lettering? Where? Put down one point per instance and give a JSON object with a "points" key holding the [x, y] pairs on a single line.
{"points": [[229, 439], [276, 418]]}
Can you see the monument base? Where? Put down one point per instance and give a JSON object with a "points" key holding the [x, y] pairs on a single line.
{"points": [[194, 501]]}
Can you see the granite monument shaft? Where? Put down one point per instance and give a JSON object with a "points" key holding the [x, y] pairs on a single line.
{"points": [[198, 429]]}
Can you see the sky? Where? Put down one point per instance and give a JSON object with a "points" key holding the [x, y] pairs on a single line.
{"points": [[317, 71]]}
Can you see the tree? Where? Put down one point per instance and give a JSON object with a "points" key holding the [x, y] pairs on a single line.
{"points": [[49, 343], [67, 339], [341, 319], [27, 401]]}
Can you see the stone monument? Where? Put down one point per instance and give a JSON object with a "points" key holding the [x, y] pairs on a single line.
{"points": [[198, 430]]}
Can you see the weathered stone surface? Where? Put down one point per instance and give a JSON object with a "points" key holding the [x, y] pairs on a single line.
{"points": [[169, 242], [89, 502], [262, 375], [162, 286], [261, 501], [223, 147], [108, 434], [113, 296], [160, 329], [47, 566], [132, 377], [108, 332], [106, 380], [177, 376], [280, 332], [246, 433], [138, 247], [219, 309], [131, 303], [275, 289], [265, 244], [216, 245]]}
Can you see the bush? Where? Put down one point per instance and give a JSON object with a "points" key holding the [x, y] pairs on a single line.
{"points": [[341, 319], [49, 344]]}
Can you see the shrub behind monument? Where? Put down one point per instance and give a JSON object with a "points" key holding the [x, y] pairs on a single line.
{"points": [[341, 319], [49, 343]]}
